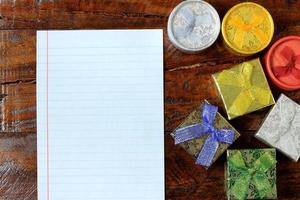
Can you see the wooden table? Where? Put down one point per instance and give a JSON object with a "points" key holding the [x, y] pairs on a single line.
{"points": [[187, 83]]}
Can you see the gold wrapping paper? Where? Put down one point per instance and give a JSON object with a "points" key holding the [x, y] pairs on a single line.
{"points": [[193, 147], [247, 28], [243, 88]]}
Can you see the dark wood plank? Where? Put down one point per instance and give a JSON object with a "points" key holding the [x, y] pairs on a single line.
{"points": [[18, 107], [18, 170], [71, 14], [17, 79], [187, 82]]}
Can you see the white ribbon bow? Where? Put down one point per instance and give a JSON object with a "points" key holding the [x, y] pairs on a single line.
{"points": [[189, 22]]}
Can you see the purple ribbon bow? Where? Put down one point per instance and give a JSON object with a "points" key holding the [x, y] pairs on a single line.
{"points": [[207, 153]]}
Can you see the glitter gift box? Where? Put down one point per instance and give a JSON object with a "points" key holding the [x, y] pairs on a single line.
{"points": [[193, 25], [251, 174], [281, 128], [205, 134], [243, 88], [247, 28]]}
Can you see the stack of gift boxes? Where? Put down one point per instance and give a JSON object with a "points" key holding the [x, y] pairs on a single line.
{"points": [[205, 134]]}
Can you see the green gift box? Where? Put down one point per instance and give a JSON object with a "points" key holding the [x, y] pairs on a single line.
{"points": [[251, 174]]}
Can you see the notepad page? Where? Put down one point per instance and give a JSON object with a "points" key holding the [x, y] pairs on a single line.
{"points": [[100, 115]]}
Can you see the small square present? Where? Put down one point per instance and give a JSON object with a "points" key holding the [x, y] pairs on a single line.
{"points": [[243, 88], [251, 174], [281, 128], [205, 134]]}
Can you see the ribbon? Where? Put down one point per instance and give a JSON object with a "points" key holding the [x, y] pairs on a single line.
{"points": [[290, 67], [190, 21], [206, 155], [243, 27], [255, 173], [249, 93], [187, 24]]}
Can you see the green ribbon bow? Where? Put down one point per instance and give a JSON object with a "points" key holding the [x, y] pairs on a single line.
{"points": [[255, 173]]}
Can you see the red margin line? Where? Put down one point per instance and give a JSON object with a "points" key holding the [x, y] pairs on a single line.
{"points": [[47, 129]]}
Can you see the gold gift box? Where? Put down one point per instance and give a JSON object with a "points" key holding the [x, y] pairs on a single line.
{"points": [[243, 88], [247, 28], [194, 146]]}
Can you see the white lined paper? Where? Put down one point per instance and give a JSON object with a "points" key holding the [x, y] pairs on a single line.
{"points": [[100, 94]]}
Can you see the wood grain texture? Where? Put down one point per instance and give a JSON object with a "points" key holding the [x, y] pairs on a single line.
{"points": [[187, 82]]}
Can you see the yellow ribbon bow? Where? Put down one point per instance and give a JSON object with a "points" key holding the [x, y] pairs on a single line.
{"points": [[249, 93], [243, 27]]}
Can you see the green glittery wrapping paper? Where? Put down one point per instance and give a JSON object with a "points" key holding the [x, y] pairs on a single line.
{"points": [[249, 157]]}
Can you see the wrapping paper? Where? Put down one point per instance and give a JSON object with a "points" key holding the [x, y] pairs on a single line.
{"points": [[251, 174], [281, 128], [243, 88], [247, 28], [213, 135]]}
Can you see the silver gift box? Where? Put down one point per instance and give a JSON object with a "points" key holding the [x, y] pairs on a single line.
{"points": [[193, 25], [281, 128]]}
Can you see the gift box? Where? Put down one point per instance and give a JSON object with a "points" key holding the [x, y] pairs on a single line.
{"points": [[193, 26], [251, 174], [205, 134], [282, 63], [247, 28], [281, 128], [243, 88]]}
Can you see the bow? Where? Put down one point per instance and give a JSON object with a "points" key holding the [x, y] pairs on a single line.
{"points": [[290, 67], [189, 21], [205, 157], [255, 173], [243, 27], [249, 93]]}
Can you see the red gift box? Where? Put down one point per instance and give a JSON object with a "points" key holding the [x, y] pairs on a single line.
{"points": [[282, 62]]}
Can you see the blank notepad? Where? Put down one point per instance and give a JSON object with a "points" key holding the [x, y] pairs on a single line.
{"points": [[100, 115]]}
